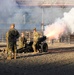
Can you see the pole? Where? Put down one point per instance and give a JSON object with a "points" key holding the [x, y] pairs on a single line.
{"points": [[42, 24]]}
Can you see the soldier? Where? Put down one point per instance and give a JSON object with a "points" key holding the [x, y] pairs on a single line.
{"points": [[35, 39], [12, 36], [22, 40]]}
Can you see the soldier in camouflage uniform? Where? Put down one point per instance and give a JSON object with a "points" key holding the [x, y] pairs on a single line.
{"points": [[12, 35], [22, 40], [35, 39]]}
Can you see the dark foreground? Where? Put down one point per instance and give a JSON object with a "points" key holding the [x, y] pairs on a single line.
{"points": [[46, 64]]}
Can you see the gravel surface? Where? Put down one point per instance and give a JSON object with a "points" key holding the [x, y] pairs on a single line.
{"points": [[39, 64]]}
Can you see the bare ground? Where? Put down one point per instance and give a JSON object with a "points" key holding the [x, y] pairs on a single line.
{"points": [[40, 64]]}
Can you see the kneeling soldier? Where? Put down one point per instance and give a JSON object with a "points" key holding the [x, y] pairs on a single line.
{"points": [[22, 40]]}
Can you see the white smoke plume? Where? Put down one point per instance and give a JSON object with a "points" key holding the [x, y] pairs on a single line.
{"points": [[69, 19], [59, 27], [26, 17], [55, 30], [11, 13]]}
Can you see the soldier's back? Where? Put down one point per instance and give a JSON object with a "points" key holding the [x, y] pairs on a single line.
{"points": [[13, 33]]}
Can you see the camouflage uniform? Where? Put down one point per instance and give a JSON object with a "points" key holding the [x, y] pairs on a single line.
{"points": [[22, 42], [7, 40], [12, 36], [35, 39]]}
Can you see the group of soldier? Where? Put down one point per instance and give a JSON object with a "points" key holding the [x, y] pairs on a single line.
{"points": [[13, 35]]}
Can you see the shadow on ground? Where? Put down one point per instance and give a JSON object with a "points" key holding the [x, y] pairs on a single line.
{"points": [[22, 67]]}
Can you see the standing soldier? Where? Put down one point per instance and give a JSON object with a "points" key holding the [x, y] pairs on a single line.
{"points": [[35, 39], [22, 40], [12, 36]]}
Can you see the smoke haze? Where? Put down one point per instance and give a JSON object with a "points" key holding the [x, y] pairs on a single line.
{"points": [[10, 13], [60, 26], [30, 17]]}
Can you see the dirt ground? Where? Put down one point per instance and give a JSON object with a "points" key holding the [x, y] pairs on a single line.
{"points": [[50, 63], [39, 64]]}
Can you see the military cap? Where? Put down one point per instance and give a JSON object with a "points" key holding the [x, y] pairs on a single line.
{"points": [[34, 29], [13, 25]]}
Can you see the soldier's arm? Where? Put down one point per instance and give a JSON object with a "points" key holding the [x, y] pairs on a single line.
{"points": [[17, 34], [6, 36], [25, 40]]}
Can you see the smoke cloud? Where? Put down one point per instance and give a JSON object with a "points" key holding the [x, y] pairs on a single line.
{"points": [[29, 17], [60, 26], [55, 30], [69, 19], [11, 13]]}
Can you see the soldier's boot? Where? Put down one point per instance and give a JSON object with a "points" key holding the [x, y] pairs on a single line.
{"points": [[8, 58], [9, 55], [14, 55], [35, 51]]}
